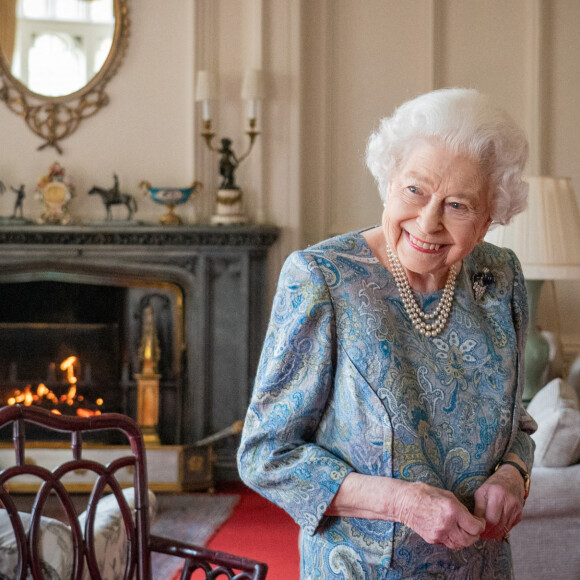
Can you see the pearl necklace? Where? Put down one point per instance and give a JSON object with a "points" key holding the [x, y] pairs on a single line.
{"points": [[441, 313]]}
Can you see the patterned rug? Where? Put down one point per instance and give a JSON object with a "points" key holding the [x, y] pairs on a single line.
{"points": [[193, 518]]}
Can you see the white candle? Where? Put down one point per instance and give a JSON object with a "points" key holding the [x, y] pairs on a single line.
{"points": [[252, 109], [253, 91], [206, 115], [205, 91]]}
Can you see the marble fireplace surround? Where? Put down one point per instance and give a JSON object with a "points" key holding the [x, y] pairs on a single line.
{"points": [[221, 272]]}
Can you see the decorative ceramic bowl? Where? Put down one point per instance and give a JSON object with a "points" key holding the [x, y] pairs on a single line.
{"points": [[170, 197]]}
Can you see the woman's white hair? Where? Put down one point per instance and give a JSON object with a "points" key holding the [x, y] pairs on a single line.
{"points": [[466, 123]]}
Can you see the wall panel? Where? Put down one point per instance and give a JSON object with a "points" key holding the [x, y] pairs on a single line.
{"points": [[380, 56], [483, 46]]}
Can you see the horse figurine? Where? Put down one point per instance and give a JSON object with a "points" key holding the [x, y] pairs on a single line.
{"points": [[114, 197]]}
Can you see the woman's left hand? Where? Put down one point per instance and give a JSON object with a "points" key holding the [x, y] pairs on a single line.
{"points": [[500, 501]]}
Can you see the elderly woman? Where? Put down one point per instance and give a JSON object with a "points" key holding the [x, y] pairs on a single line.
{"points": [[386, 417]]}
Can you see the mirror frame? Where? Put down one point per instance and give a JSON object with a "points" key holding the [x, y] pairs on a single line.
{"points": [[55, 118]]}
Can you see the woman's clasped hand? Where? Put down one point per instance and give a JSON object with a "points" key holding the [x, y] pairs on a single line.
{"points": [[500, 501], [439, 517]]}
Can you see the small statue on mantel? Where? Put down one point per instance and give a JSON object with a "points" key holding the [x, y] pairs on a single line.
{"points": [[113, 196], [20, 195], [18, 206], [229, 207], [228, 165]]}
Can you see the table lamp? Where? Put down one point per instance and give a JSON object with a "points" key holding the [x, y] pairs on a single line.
{"points": [[546, 239]]}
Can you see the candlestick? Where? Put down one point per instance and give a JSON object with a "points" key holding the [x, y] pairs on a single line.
{"points": [[206, 114], [229, 208], [205, 91], [252, 109]]}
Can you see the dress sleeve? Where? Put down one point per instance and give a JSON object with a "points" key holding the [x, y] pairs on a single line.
{"points": [[522, 444], [278, 456]]}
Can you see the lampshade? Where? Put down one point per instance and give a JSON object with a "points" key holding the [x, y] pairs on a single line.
{"points": [[205, 86], [546, 236], [253, 87]]}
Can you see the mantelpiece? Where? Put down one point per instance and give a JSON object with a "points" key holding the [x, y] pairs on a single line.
{"points": [[220, 277], [240, 236]]}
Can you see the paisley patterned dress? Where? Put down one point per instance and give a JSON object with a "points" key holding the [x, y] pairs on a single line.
{"points": [[345, 383]]}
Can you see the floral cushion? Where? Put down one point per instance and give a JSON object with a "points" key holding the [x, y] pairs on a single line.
{"points": [[56, 549], [111, 546]]}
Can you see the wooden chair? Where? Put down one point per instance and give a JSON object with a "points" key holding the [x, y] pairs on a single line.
{"points": [[141, 544]]}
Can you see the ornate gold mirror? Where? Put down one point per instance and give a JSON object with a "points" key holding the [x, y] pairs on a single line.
{"points": [[56, 58]]}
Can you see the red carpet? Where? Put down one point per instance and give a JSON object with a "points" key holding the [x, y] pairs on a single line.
{"points": [[260, 530]]}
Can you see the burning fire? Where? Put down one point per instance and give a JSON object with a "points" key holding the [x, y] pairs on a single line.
{"points": [[27, 397]]}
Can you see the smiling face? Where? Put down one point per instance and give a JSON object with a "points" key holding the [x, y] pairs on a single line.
{"points": [[436, 211]]}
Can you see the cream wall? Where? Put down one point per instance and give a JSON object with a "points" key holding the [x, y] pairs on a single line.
{"points": [[333, 68]]}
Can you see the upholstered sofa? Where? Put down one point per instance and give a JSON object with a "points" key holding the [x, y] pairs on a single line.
{"points": [[545, 543]]}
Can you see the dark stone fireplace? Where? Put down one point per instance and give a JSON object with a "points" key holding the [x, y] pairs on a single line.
{"points": [[82, 291]]}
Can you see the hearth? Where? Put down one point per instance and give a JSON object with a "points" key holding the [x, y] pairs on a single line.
{"points": [[82, 291], [79, 343]]}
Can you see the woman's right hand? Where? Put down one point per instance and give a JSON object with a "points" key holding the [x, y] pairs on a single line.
{"points": [[433, 513], [438, 516]]}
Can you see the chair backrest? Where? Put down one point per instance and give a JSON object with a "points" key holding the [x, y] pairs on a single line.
{"points": [[135, 520]]}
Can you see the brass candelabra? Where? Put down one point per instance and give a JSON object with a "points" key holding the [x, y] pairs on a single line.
{"points": [[229, 206]]}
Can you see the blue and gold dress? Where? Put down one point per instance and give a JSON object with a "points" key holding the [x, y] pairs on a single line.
{"points": [[346, 383]]}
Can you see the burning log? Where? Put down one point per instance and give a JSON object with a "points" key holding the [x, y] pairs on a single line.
{"points": [[67, 403]]}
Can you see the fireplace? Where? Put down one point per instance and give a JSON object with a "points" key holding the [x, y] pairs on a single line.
{"points": [[82, 291], [43, 323]]}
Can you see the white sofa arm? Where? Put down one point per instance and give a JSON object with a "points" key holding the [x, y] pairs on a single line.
{"points": [[545, 543], [554, 492]]}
